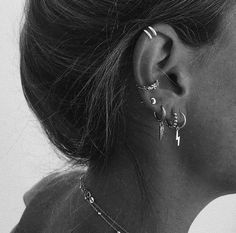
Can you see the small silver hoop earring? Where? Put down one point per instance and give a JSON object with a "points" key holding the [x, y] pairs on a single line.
{"points": [[174, 122], [178, 128], [152, 34], [148, 34], [185, 121], [161, 122], [153, 30]]}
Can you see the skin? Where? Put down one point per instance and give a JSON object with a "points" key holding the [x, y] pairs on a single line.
{"points": [[180, 181]]}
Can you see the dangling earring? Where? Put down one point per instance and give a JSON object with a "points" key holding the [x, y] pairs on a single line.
{"points": [[178, 128], [174, 124], [161, 120]]}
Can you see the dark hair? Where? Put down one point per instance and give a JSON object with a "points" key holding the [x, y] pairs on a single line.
{"points": [[74, 55]]}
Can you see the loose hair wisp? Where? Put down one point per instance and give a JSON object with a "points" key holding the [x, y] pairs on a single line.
{"points": [[75, 57]]}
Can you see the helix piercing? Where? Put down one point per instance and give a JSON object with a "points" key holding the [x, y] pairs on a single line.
{"points": [[151, 87], [153, 31], [161, 120]]}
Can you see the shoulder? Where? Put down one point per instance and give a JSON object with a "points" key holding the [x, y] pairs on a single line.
{"points": [[56, 204], [62, 180]]}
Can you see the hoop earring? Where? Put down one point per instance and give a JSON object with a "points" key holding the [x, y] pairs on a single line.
{"points": [[152, 30], [161, 120], [174, 122], [178, 128]]}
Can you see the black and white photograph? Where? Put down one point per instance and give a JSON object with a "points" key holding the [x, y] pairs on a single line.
{"points": [[118, 116]]}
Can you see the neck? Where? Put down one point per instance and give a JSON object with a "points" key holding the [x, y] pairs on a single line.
{"points": [[148, 187]]}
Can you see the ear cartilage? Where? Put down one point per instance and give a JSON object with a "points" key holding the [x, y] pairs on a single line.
{"points": [[151, 87], [153, 31]]}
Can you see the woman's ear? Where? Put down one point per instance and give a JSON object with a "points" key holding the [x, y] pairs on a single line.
{"points": [[160, 55]]}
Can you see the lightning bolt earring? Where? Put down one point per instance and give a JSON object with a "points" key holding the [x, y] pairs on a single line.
{"points": [[178, 128], [174, 124]]}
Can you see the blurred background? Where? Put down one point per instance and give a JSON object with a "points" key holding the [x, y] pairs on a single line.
{"points": [[25, 153]]}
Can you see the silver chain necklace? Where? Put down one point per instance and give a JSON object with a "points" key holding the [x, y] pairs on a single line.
{"points": [[91, 201]]}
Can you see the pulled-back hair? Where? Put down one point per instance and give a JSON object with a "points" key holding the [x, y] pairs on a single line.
{"points": [[75, 57]]}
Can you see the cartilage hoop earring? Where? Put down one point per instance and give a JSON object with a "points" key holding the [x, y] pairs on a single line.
{"points": [[161, 120], [152, 32], [178, 128], [151, 87]]}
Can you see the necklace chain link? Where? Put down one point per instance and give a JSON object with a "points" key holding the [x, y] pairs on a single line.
{"points": [[91, 201]]}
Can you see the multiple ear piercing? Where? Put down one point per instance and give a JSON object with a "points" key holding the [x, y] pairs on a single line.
{"points": [[175, 122], [150, 32]]}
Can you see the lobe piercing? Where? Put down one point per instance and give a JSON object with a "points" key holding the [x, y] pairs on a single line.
{"points": [[178, 128], [161, 120], [173, 123]]}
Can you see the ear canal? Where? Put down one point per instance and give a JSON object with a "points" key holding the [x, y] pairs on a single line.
{"points": [[170, 81], [176, 87]]}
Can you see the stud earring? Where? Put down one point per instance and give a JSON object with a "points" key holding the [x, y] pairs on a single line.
{"points": [[151, 33], [161, 120], [153, 101]]}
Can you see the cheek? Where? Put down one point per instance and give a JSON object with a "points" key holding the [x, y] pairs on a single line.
{"points": [[210, 136]]}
